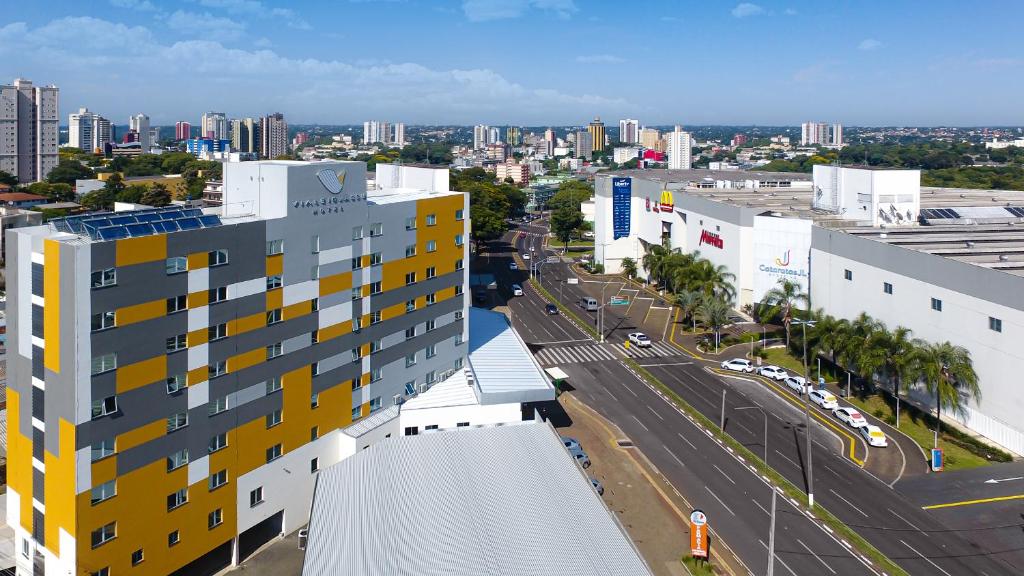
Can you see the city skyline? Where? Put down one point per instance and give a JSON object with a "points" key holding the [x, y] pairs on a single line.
{"points": [[255, 57]]}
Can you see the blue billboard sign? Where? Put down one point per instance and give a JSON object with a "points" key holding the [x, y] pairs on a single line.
{"points": [[622, 193]]}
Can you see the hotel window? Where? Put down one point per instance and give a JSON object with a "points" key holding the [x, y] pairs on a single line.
{"points": [[314, 433], [887, 288], [431, 245], [177, 304], [104, 534], [274, 282], [410, 278], [410, 388], [357, 324], [217, 442], [458, 289], [431, 324], [431, 351], [431, 272], [102, 449], [217, 405], [462, 425], [314, 304], [458, 339], [357, 353], [848, 274], [458, 363], [376, 346], [273, 385], [357, 292], [410, 251], [177, 460], [995, 324], [410, 360], [275, 247], [173, 538], [458, 314], [273, 453], [314, 401], [458, 264], [410, 333], [357, 232], [256, 497], [314, 273], [215, 518], [218, 294], [175, 343], [273, 316], [936, 304], [431, 298], [218, 332], [314, 465], [104, 407], [431, 377], [102, 321], [177, 421], [375, 404], [458, 240], [375, 317], [412, 430], [410, 223], [314, 337], [376, 229], [314, 369], [218, 368], [376, 259], [375, 288], [274, 350], [459, 214], [315, 241], [104, 491], [176, 265], [431, 219], [376, 374], [177, 498], [104, 278], [410, 305], [357, 413], [357, 262], [218, 258], [176, 383], [218, 479], [137, 557], [357, 383]]}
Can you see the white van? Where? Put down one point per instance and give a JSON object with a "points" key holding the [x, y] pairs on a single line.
{"points": [[517, 290], [589, 304]]}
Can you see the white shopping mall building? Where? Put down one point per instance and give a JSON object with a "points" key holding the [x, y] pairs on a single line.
{"points": [[946, 263]]}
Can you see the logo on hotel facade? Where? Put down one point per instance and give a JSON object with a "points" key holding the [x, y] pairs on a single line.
{"points": [[711, 239], [333, 181], [784, 261]]}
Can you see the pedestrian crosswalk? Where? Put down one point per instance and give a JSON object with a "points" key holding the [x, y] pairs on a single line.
{"points": [[601, 352]]}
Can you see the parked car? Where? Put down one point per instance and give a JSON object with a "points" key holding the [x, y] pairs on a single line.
{"points": [[798, 384], [738, 365], [639, 339], [571, 443], [580, 457], [773, 372], [597, 486], [513, 266], [874, 436], [551, 309], [517, 290], [824, 399], [526, 256], [850, 417]]}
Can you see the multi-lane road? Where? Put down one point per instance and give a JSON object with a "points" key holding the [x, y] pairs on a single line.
{"points": [[735, 498]]}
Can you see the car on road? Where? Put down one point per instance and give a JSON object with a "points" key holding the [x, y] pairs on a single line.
{"points": [[513, 266], [571, 443], [517, 290], [798, 384], [824, 399], [874, 435], [526, 256], [639, 339], [850, 417], [551, 309], [597, 486], [580, 457], [773, 372], [738, 365]]}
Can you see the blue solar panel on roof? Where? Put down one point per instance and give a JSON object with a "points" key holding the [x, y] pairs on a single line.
{"points": [[140, 229], [166, 226], [113, 233], [148, 217], [192, 212], [188, 223], [209, 220]]}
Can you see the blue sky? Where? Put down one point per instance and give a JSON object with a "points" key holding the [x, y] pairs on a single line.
{"points": [[531, 62]]}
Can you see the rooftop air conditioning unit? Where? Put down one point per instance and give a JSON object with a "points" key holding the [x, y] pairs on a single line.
{"points": [[424, 387]]}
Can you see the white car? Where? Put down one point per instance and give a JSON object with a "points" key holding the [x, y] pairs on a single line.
{"points": [[513, 266], [874, 435], [639, 339], [824, 399], [738, 365], [850, 417], [773, 372], [798, 384], [517, 290], [526, 256]]}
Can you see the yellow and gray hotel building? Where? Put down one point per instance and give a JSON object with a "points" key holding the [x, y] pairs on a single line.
{"points": [[176, 379]]}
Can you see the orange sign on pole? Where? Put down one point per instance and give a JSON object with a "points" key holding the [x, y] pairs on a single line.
{"points": [[698, 535]]}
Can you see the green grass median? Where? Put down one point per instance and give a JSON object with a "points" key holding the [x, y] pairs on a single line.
{"points": [[565, 310]]}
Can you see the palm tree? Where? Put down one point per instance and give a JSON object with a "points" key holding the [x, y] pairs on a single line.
{"points": [[949, 375], [629, 268], [688, 302], [713, 313], [901, 361], [853, 341], [714, 281], [780, 301], [653, 262]]}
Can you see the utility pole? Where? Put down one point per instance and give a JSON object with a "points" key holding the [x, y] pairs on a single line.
{"points": [[771, 539], [721, 421]]}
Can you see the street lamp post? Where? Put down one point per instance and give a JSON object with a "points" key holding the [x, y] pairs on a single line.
{"points": [[807, 412], [771, 539], [765, 414]]}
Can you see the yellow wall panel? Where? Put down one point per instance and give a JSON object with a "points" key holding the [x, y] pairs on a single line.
{"points": [[335, 283], [19, 459], [139, 250], [51, 312], [59, 488], [297, 388], [197, 337], [104, 470], [275, 264], [140, 312], [334, 330], [275, 299], [198, 375], [139, 374], [247, 359], [141, 435], [247, 323], [296, 310], [198, 299], [198, 260]]}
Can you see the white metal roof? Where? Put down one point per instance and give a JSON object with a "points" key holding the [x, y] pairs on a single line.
{"points": [[453, 391], [502, 365], [506, 501], [372, 422]]}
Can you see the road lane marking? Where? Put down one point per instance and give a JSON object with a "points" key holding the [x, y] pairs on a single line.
{"points": [[850, 504], [641, 423], [724, 474], [715, 496], [660, 417], [763, 509], [781, 561], [672, 454], [683, 438], [973, 502], [912, 525], [788, 459], [928, 560], [823, 563], [749, 431], [560, 342]]}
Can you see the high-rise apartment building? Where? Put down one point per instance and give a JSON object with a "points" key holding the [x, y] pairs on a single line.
{"points": [[596, 130], [371, 132], [679, 149], [549, 135], [102, 132], [245, 135], [821, 134], [649, 138], [80, 129], [29, 130], [629, 131], [513, 136], [214, 125], [140, 123], [182, 130], [273, 136], [399, 139], [176, 383], [479, 137], [584, 144]]}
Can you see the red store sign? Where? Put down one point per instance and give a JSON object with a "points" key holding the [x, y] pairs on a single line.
{"points": [[711, 239]]}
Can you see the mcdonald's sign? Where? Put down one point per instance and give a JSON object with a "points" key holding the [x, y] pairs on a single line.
{"points": [[667, 203]]}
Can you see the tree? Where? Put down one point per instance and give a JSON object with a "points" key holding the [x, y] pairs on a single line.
{"points": [[8, 178], [157, 195], [629, 267], [715, 281], [688, 302], [564, 222], [133, 193], [901, 361], [570, 193], [948, 374], [653, 262], [174, 162], [780, 301], [713, 313], [67, 171]]}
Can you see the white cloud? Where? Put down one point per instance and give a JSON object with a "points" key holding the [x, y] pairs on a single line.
{"points": [[869, 44], [205, 24], [600, 59], [484, 10], [140, 5], [747, 9], [254, 81], [258, 9]]}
